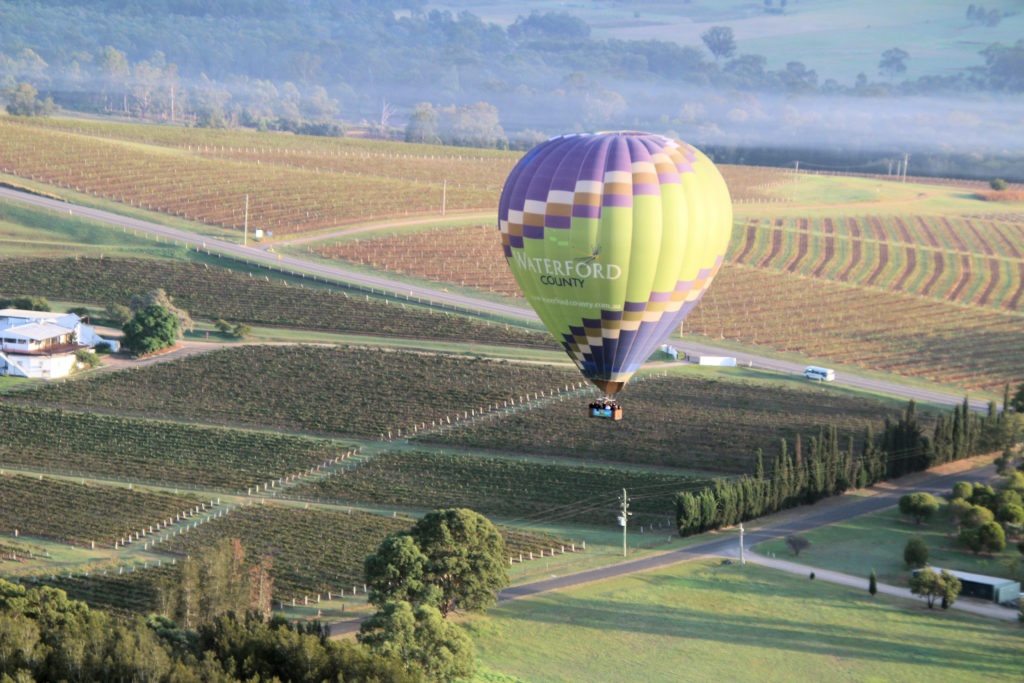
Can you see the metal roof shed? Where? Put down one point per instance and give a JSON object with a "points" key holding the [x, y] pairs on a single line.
{"points": [[993, 588]]}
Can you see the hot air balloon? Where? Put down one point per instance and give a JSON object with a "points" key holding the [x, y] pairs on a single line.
{"points": [[613, 238]]}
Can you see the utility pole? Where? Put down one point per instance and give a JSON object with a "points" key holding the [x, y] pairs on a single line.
{"points": [[444, 195], [796, 174], [623, 518], [245, 223], [742, 560]]}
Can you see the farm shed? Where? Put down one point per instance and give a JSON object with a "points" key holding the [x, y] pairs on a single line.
{"points": [[992, 588]]}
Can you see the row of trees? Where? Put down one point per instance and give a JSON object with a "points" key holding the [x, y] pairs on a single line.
{"points": [[214, 619], [46, 636], [797, 477]]}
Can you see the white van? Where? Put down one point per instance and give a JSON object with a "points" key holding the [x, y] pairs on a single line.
{"points": [[820, 374]]}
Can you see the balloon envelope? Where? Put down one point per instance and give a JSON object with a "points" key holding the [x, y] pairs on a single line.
{"points": [[613, 238]]}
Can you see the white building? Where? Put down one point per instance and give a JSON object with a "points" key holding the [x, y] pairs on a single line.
{"points": [[42, 345]]}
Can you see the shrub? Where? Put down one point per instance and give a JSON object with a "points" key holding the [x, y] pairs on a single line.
{"points": [[87, 358], [963, 489], [151, 329], [921, 506], [797, 543], [958, 507], [118, 314], [991, 537], [1010, 514], [29, 303], [1014, 482], [915, 554], [1007, 497], [997, 184], [982, 495], [977, 516]]}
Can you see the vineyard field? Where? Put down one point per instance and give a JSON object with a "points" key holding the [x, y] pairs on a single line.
{"points": [[131, 593], [82, 513], [69, 442], [907, 335], [483, 167], [961, 260], [848, 322], [427, 254], [502, 487], [294, 184], [212, 292], [711, 425], [284, 199], [972, 261], [323, 390], [314, 551]]}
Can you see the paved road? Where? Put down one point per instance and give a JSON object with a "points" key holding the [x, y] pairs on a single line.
{"points": [[842, 378], [829, 511], [254, 254]]}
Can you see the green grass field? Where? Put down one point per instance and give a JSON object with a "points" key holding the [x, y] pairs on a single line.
{"points": [[876, 541], [703, 621], [837, 39]]}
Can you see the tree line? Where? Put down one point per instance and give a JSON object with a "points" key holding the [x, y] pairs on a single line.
{"points": [[800, 475], [213, 626], [214, 623]]}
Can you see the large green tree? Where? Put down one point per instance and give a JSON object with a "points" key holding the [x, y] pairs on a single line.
{"points": [[453, 559], [151, 329], [396, 572], [466, 558], [423, 640], [160, 298]]}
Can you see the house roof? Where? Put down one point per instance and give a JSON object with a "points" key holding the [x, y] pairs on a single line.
{"points": [[37, 331], [66, 319]]}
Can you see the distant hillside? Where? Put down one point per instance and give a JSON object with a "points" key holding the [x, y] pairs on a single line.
{"points": [[867, 79]]}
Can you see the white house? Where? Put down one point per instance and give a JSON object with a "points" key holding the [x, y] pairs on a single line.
{"points": [[42, 345]]}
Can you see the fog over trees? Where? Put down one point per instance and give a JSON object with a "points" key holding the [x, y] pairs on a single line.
{"points": [[395, 66]]}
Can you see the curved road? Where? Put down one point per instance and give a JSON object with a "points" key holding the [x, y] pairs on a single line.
{"points": [[294, 264]]}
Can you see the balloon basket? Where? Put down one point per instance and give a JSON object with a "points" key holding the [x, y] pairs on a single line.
{"points": [[606, 409]]}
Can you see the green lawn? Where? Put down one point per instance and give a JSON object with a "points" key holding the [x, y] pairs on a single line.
{"points": [[703, 621], [27, 232], [876, 541]]}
